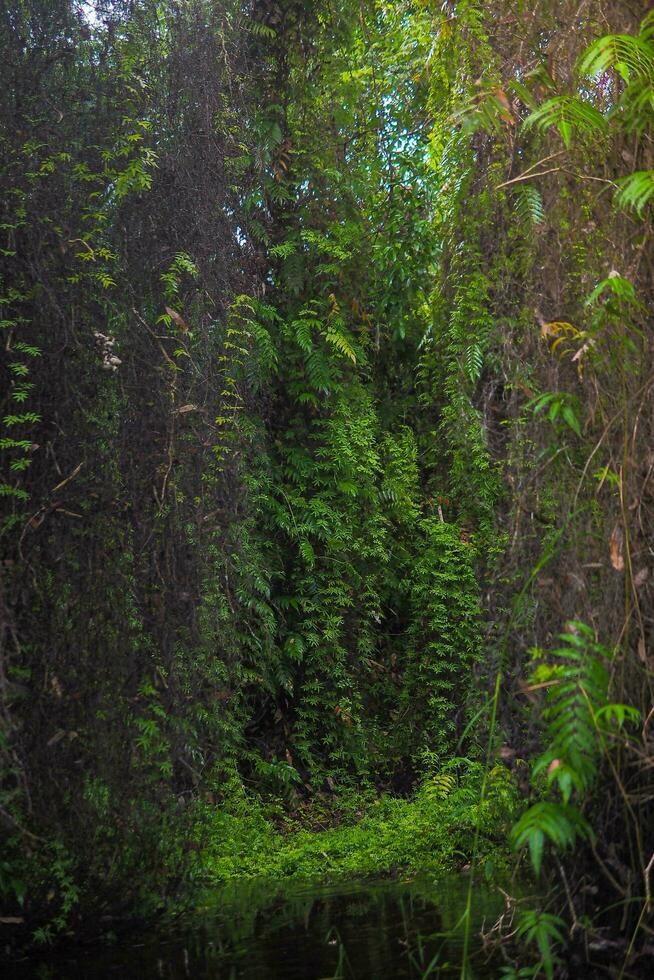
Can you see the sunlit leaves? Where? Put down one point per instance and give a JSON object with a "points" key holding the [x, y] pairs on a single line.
{"points": [[339, 341], [440, 786], [631, 56], [24, 417]]}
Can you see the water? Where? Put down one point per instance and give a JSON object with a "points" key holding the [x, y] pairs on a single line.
{"points": [[261, 930]]}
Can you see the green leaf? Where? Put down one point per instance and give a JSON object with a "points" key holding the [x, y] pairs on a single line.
{"points": [[636, 190], [630, 56], [568, 114], [307, 552], [473, 360], [529, 203], [571, 419]]}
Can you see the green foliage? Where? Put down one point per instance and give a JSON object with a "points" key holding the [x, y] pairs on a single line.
{"points": [[629, 56], [545, 931], [578, 718], [269, 300], [529, 204], [560, 824], [636, 190], [182, 265], [558, 406], [430, 832], [568, 114], [473, 359], [444, 631]]}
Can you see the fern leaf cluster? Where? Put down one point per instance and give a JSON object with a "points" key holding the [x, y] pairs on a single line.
{"points": [[577, 714], [637, 190], [529, 204]]}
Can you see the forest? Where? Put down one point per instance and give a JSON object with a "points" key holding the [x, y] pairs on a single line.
{"points": [[327, 471]]}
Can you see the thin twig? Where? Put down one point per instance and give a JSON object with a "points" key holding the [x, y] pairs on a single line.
{"points": [[526, 176], [523, 175]]}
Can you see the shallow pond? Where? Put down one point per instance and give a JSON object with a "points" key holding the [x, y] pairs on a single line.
{"points": [[260, 930]]}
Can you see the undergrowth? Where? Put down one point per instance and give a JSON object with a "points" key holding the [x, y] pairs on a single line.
{"points": [[358, 835]]}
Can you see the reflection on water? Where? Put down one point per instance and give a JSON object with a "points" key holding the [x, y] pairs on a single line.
{"points": [[299, 931]]}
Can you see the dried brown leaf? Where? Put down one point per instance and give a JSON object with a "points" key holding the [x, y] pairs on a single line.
{"points": [[178, 319], [616, 545]]}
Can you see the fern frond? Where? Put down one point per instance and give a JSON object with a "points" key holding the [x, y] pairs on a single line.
{"points": [[636, 106], [628, 55], [293, 271], [473, 362], [307, 552], [261, 30], [302, 329], [559, 823], [577, 716], [342, 344], [440, 786], [568, 114], [529, 204], [283, 250], [546, 932], [578, 682], [318, 373], [636, 190]]}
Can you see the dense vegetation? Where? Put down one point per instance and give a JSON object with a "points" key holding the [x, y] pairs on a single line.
{"points": [[326, 448]]}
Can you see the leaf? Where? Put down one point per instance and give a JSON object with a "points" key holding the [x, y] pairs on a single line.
{"points": [[614, 284], [529, 204], [567, 114], [571, 420], [636, 190], [546, 931], [70, 477], [628, 55], [440, 786], [559, 822], [523, 93], [621, 714], [342, 344], [178, 319], [473, 360], [303, 330], [616, 548], [307, 552]]}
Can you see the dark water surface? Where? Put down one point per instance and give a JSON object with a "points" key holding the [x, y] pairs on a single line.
{"points": [[261, 930]]}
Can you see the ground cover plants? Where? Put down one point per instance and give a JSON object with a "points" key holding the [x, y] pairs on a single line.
{"points": [[325, 438]]}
